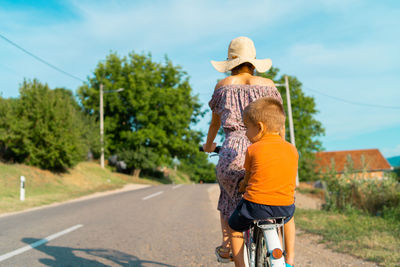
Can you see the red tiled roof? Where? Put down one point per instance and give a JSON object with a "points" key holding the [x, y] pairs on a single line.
{"points": [[373, 160]]}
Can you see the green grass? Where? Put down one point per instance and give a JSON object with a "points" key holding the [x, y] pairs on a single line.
{"points": [[178, 177], [44, 187], [371, 238]]}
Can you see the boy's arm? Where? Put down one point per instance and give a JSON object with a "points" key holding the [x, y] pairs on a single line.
{"points": [[243, 183], [247, 166]]}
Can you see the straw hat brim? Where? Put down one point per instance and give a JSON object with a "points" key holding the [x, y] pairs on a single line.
{"points": [[261, 65]]}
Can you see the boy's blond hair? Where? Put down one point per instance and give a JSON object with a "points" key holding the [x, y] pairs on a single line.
{"points": [[267, 110]]}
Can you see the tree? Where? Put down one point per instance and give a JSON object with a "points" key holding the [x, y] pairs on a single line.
{"points": [[44, 128], [307, 129], [11, 135], [198, 167], [152, 116]]}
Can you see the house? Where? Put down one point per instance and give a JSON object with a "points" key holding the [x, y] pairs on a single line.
{"points": [[365, 163]]}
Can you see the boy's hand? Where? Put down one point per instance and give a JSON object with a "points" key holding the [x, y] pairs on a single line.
{"points": [[242, 186]]}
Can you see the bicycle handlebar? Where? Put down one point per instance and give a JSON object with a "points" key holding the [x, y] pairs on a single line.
{"points": [[216, 150]]}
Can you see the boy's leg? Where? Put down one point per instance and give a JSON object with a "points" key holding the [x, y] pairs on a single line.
{"points": [[237, 247], [290, 234], [237, 223]]}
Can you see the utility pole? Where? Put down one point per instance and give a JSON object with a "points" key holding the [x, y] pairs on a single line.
{"points": [[289, 108], [102, 120], [289, 105], [101, 127]]}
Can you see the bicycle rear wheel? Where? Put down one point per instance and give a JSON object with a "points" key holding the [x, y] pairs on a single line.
{"points": [[262, 258]]}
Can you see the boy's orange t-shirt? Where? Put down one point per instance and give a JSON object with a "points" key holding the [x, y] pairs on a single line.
{"points": [[272, 163]]}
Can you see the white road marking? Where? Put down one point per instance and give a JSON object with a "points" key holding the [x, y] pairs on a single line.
{"points": [[176, 186], [153, 195], [38, 243]]}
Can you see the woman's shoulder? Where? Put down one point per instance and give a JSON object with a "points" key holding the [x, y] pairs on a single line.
{"points": [[252, 80], [262, 81], [226, 81]]}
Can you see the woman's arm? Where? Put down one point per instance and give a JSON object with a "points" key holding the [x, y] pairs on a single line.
{"points": [[215, 124]]}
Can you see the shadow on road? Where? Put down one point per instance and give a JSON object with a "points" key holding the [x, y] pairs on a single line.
{"points": [[66, 256]]}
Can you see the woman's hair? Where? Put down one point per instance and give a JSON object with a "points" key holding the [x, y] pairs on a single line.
{"points": [[247, 64], [267, 110]]}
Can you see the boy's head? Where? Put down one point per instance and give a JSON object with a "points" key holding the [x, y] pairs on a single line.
{"points": [[263, 116]]}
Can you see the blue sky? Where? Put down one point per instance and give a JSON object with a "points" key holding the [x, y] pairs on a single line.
{"points": [[345, 49]]}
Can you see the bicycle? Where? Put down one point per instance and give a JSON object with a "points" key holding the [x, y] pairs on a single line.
{"points": [[262, 244]]}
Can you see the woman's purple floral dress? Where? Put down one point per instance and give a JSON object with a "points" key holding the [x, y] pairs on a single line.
{"points": [[229, 102]]}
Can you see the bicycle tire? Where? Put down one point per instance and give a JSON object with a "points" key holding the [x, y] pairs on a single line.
{"points": [[248, 239], [262, 257]]}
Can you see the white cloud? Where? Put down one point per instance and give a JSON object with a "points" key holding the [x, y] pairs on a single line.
{"points": [[373, 57], [76, 45], [346, 66], [391, 151], [175, 22], [345, 123], [360, 71]]}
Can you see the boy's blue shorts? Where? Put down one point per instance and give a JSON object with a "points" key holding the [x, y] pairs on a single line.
{"points": [[246, 212]]}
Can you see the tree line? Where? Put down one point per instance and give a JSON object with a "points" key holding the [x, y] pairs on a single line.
{"points": [[147, 125]]}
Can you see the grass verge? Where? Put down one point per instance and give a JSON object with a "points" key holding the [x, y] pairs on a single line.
{"points": [[44, 187], [371, 238]]}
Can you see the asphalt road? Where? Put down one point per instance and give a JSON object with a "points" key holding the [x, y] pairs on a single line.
{"points": [[156, 226]]}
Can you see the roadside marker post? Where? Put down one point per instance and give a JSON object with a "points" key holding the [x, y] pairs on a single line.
{"points": [[22, 189]]}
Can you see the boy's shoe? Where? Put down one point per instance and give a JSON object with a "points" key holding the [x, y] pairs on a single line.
{"points": [[221, 250]]}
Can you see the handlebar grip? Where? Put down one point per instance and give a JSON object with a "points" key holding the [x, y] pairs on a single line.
{"points": [[216, 150]]}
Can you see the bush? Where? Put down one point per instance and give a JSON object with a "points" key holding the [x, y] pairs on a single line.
{"points": [[372, 195], [396, 173], [392, 213], [136, 160]]}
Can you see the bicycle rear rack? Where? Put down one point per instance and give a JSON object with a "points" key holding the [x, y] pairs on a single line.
{"points": [[271, 223]]}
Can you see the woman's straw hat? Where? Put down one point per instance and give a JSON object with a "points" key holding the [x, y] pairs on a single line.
{"points": [[241, 50]]}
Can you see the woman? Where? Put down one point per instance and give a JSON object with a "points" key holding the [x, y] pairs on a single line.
{"points": [[230, 97]]}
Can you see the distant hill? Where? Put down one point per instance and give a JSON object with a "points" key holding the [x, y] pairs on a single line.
{"points": [[394, 161]]}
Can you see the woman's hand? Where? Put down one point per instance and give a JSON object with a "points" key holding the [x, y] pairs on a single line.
{"points": [[209, 148]]}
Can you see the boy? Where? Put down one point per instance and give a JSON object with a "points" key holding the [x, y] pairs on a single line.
{"points": [[270, 180]]}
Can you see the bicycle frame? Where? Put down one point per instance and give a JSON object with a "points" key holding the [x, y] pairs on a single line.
{"points": [[270, 231]]}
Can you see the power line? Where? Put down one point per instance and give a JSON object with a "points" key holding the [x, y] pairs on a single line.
{"points": [[41, 60], [79, 79], [352, 102]]}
